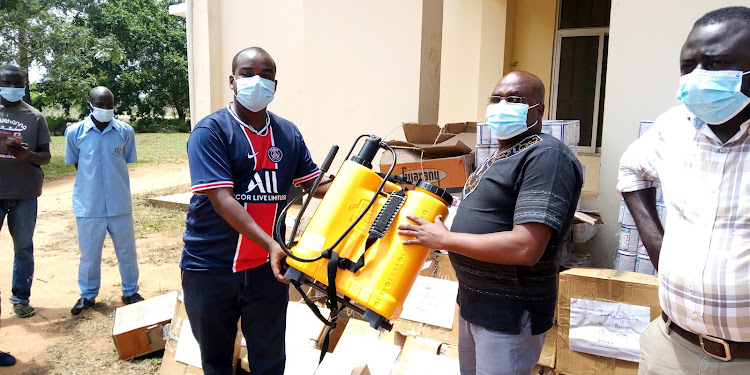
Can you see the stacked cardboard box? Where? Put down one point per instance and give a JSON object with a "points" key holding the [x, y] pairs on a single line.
{"points": [[631, 254], [600, 285], [409, 348], [567, 131], [439, 155]]}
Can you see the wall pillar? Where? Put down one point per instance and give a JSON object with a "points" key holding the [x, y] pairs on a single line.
{"points": [[473, 56], [204, 58]]}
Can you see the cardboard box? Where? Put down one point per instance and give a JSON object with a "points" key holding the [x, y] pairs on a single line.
{"points": [[543, 370], [169, 365], [485, 136], [139, 327], [644, 127], [441, 268], [439, 155], [421, 355], [567, 131], [360, 347], [549, 350], [600, 285]]}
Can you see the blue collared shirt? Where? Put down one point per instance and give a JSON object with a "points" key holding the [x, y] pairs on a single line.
{"points": [[102, 186]]}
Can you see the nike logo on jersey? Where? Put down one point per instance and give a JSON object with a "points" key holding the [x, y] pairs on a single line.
{"points": [[250, 156]]}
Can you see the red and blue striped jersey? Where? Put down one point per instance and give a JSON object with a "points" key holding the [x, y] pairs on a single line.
{"points": [[259, 166]]}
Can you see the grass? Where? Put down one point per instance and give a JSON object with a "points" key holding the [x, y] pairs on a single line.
{"points": [[152, 148], [79, 352]]}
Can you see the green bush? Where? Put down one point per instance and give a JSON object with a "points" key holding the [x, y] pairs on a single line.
{"points": [[57, 125], [161, 125]]}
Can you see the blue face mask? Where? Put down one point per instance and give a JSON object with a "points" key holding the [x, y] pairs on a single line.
{"points": [[713, 96], [254, 93], [507, 120], [102, 115], [12, 94]]}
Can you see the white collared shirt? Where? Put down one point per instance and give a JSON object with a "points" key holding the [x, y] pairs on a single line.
{"points": [[704, 265]]}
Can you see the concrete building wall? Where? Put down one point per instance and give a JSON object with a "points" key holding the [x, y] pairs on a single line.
{"points": [[344, 68], [533, 40], [473, 57], [642, 78], [276, 26], [368, 67]]}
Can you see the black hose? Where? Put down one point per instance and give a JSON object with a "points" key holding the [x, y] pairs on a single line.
{"points": [[326, 164]]}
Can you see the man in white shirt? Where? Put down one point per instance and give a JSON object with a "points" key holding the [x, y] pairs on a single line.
{"points": [[699, 151]]}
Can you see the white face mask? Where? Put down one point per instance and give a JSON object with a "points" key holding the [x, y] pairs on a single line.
{"points": [[254, 93], [101, 114]]}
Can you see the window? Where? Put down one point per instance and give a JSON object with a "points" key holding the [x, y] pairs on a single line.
{"points": [[580, 66]]}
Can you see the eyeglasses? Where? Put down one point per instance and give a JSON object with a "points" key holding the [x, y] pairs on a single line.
{"points": [[511, 100]]}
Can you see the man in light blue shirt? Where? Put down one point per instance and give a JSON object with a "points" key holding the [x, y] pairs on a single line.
{"points": [[101, 147]]}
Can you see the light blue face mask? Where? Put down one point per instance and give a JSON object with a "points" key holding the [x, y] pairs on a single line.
{"points": [[507, 120], [713, 96], [12, 94], [254, 93], [102, 115]]}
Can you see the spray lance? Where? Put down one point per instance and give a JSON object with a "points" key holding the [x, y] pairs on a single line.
{"points": [[351, 246]]}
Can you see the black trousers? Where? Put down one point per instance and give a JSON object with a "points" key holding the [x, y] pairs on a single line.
{"points": [[215, 301]]}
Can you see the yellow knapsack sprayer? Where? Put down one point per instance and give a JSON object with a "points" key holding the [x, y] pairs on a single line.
{"points": [[351, 244]]}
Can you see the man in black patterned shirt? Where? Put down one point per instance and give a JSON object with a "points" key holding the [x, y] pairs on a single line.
{"points": [[504, 241]]}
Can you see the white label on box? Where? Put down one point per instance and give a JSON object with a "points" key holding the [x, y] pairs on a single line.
{"points": [[607, 328], [143, 314], [431, 301]]}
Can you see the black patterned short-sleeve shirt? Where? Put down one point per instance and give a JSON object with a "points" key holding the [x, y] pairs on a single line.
{"points": [[538, 180]]}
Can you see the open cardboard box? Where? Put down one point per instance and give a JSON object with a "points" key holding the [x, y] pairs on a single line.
{"points": [[169, 364], [442, 156], [139, 328], [585, 225]]}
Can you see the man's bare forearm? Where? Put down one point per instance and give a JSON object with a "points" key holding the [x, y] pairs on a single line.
{"points": [[642, 205]]}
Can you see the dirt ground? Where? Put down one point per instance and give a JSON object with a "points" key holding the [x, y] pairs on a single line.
{"points": [[54, 341]]}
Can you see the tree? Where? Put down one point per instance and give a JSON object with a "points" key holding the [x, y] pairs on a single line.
{"points": [[23, 29], [153, 72], [134, 47]]}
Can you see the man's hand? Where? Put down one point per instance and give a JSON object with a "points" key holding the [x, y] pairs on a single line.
{"points": [[276, 256], [429, 235], [19, 150]]}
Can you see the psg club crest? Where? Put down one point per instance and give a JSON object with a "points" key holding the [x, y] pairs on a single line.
{"points": [[274, 153]]}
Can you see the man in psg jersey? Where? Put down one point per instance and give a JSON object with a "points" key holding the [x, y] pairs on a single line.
{"points": [[243, 159]]}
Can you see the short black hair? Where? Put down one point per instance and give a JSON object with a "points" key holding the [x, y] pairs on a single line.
{"points": [[11, 68], [724, 14], [251, 49]]}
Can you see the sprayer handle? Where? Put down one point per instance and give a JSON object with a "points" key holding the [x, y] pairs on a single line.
{"points": [[329, 159]]}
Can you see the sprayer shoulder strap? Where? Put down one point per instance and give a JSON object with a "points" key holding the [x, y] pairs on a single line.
{"points": [[330, 323], [310, 303]]}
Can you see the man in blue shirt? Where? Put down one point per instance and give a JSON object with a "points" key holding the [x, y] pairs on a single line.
{"points": [[243, 160], [101, 147]]}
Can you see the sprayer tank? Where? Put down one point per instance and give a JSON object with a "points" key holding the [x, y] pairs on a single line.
{"points": [[390, 267]]}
